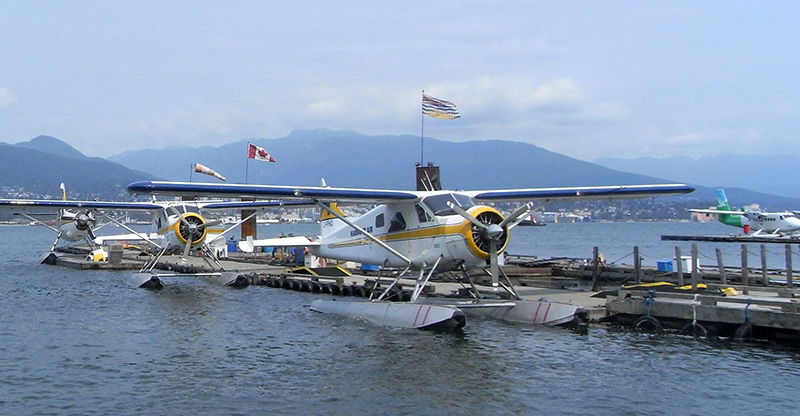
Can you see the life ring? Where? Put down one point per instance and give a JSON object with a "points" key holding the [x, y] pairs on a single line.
{"points": [[695, 329], [743, 332], [648, 323]]}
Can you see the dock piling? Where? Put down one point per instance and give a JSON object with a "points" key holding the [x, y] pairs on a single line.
{"points": [[789, 283], [764, 277], [721, 268], [679, 265], [745, 271], [695, 271], [596, 269]]}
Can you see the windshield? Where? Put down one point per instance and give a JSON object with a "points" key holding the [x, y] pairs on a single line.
{"points": [[438, 203]]}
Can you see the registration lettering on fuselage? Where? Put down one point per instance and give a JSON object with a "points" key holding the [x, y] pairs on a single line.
{"points": [[355, 233]]}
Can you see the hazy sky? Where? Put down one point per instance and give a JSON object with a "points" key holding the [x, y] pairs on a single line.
{"points": [[586, 79]]}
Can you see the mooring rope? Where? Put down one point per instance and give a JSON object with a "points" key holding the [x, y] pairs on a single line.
{"points": [[648, 301], [747, 311]]}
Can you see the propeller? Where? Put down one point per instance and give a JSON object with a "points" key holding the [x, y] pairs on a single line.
{"points": [[192, 228], [491, 229], [84, 222]]}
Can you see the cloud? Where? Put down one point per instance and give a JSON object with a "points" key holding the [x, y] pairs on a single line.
{"points": [[559, 93], [604, 111], [325, 109], [689, 138], [6, 98]]}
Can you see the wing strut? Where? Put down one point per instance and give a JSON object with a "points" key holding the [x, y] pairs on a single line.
{"points": [[369, 235], [141, 235]]}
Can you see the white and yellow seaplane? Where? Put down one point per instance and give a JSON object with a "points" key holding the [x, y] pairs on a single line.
{"points": [[177, 227], [428, 231]]}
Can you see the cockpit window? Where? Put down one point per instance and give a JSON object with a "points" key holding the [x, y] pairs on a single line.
{"points": [[438, 203], [422, 215]]}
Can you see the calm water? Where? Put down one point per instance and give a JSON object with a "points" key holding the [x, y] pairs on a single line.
{"points": [[84, 343]]}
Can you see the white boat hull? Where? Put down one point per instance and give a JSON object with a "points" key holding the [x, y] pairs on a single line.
{"points": [[396, 314]]}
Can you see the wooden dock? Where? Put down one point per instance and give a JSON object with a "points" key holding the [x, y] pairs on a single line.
{"points": [[761, 314], [766, 238]]}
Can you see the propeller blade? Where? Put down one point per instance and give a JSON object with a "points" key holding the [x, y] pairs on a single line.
{"points": [[494, 269], [516, 214], [210, 224], [465, 214], [187, 248], [178, 213]]}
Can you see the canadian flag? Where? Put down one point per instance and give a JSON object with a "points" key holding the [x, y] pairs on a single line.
{"points": [[255, 152]]}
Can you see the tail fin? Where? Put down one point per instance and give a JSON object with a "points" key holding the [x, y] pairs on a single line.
{"points": [[326, 215], [722, 205], [722, 201]]}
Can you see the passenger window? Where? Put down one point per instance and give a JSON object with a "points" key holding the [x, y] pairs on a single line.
{"points": [[379, 221], [398, 223]]}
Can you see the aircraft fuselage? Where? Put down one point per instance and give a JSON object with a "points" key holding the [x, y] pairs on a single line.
{"points": [[772, 222], [417, 231]]}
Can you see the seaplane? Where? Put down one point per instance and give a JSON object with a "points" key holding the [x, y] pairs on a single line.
{"points": [[753, 222], [177, 227], [420, 231]]}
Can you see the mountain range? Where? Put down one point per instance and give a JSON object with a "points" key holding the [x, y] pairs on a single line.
{"points": [[770, 174], [36, 168], [342, 158]]}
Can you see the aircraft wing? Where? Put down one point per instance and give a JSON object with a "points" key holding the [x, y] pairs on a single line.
{"points": [[716, 211], [584, 193], [255, 205], [378, 196], [53, 205], [274, 192]]}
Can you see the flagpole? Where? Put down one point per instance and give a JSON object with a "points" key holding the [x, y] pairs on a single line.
{"points": [[422, 134], [247, 164]]}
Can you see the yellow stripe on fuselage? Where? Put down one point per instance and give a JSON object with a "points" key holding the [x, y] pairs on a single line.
{"points": [[427, 232]]}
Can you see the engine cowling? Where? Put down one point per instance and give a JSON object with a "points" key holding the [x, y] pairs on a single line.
{"points": [[478, 238], [191, 229], [76, 226]]}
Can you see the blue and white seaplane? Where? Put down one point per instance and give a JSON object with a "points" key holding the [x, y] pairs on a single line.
{"points": [[424, 231]]}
